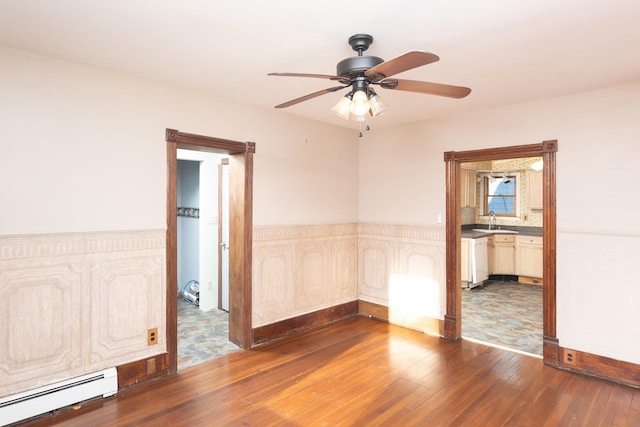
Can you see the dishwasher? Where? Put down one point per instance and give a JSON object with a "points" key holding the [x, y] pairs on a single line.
{"points": [[479, 262]]}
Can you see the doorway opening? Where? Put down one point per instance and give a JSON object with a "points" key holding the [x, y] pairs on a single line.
{"points": [[203, 219], [453, 161], [502, 253], [240, 155]]}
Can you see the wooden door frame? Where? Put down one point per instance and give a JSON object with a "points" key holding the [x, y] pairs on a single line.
{"points": [[223, 162], [453, 160], [240, 236]]}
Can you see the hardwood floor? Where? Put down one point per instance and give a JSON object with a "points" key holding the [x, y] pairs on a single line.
{"points": [[363, 372]]}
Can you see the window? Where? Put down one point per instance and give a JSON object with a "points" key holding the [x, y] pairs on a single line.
{"points": [[500, 195]]}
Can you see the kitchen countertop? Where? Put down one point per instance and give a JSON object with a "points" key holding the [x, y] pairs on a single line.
{"points": [[468, 233]]}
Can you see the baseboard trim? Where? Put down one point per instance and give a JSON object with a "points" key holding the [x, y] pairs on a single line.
{"points": [[142, 370], [530, 280], [298, 324], [550, 351], [600, 366], [402, 318]]}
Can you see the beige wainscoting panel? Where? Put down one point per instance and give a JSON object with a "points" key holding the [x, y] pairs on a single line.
{"points": [[273, 282], [377, 260], [344, 259], [421, 278], [313, 274], [403, 268], [75, 303], [38, 303], [126, 289], [302, 268]]}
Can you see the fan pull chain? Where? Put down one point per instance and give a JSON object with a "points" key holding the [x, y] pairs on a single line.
{"points": [[366, 128]]}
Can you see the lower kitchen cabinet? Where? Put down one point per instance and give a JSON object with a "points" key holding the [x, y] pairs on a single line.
{"points": [[530, 256], [502, 254]]}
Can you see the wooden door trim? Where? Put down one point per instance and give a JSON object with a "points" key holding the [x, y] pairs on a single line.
{"points": [[453, 160], [223, 162], [240, 254]]}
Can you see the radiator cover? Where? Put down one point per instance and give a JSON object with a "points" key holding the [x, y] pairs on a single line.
{"points": [[21, 406]]}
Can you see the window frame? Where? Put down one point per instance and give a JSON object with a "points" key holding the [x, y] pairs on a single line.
{"points": [[516, 195]]}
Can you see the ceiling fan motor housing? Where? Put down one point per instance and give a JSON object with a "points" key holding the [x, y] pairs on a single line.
{"points": [[356, 65]]}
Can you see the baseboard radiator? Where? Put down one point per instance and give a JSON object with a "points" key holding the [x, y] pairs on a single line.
{"points": [[22, 406]]}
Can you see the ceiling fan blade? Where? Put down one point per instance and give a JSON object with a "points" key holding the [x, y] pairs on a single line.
{"points": [[408, 61], [318, 76], [309, 96], [426, 87]]}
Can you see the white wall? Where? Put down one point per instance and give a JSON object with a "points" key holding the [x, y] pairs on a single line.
{"points": [[78, 141], [402, 182]]}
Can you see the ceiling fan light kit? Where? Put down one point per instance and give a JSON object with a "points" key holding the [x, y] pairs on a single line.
{"points": [[343, 107], [378, 106], [361, 72]]}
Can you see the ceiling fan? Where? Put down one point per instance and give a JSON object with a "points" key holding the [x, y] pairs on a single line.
{"points": [[362, 72]]}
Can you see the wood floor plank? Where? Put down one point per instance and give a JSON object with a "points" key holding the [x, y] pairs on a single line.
{"points": [[325, 386], [461, 395], [617, 407], [361, 372], [634, 408], [498, 401], [595, 412], [584, 392]]}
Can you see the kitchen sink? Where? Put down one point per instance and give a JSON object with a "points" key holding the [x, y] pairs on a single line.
{"points": [[486, 230]]}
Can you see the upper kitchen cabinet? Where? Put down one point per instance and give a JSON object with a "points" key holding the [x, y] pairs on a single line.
{"points": [[468, 188], [534, 189]]}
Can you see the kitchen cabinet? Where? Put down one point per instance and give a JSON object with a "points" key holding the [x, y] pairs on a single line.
{"points": [[465, 262], [534, 189], [530, 256], [491, 249], [503, 258], [467, 188]]}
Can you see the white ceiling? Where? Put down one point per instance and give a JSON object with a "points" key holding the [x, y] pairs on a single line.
{"points": [[506, 51]]}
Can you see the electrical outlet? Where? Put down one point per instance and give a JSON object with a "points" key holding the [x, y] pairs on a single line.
{"points": [[569, 358], [152, 336]]}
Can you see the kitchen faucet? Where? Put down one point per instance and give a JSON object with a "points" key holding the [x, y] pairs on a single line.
{"points": [[492, 220]]}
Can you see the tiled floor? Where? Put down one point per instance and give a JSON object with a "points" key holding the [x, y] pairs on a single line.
{"points": [[202, 335], [508, 314]]}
